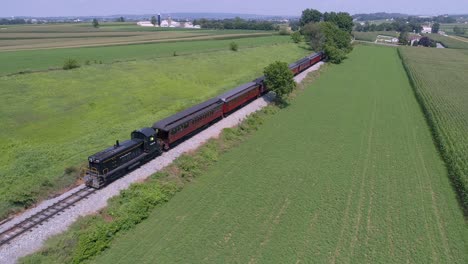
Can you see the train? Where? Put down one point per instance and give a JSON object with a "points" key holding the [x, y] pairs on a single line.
{"points": [[148, 143]]}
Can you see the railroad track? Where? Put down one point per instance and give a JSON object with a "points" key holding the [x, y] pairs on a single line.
{"points": [[37, 219]]}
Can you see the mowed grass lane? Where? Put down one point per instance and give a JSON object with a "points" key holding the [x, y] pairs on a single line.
{"points": [[441, 79], [16, 61], [54, 120], [347, 173]]}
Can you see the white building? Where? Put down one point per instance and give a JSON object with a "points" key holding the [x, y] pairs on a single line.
{"points": [[145, 24], [426, 29]]}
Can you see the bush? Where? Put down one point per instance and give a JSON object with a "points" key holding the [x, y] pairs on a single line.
{"points": [[234, 46], [284, 31], [71, 64], [296, 37]]}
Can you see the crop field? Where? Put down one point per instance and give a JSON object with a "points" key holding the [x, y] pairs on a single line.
{"points": [[450, 42], [440, 77], [372, 36], [448, 28], [32, 41], [54, 120], [347, 173], [30, 37], [33, 60]]}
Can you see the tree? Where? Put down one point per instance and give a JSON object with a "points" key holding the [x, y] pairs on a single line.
{"points": [[279, 79], [427, 42], [343, 20], [403, 38], [435, 28], [337, 42], [95, 23], [314, 35], [120, 19], [326, 36], [310, 15], [154, 21], [296, 37]]}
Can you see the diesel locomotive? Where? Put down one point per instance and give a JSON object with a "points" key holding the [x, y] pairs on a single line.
{"points": [[147, 143]]}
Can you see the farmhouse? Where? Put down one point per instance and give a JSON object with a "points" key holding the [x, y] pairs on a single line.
{"points": [[426, 29]]}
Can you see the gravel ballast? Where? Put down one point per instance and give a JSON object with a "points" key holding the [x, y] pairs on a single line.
{"points": [[32, 241]]}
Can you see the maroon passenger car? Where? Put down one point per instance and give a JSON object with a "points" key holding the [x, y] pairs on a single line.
{"points": [[239, 96], [182, 124]]}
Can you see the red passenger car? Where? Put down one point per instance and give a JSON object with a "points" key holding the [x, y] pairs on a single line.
{"points": [[182, 124], [239, 96]]}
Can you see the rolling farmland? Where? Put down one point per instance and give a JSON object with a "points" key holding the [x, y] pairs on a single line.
{"points": [[30, 37], [449, 42], [441, 81], [372, 36], [448, 28], [347, 173], [34, 60], [54, 120]]}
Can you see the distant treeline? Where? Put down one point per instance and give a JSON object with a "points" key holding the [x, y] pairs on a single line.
{"points": [[237, 23], [16, 21], [399, 25], [378, 16], [382, 16]]}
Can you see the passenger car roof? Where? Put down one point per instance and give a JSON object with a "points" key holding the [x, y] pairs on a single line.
{"points": [[167, 123], [238, 90]]}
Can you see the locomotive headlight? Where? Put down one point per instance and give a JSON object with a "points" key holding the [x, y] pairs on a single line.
{"points": [[151, 138]]}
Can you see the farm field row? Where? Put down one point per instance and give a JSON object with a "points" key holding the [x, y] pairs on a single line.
{"points": [[449, 42], [448, 28], [103, 27], [441, 80], [53, 43], [372, 36], [53, 120], [15, 61], [347, 173]]}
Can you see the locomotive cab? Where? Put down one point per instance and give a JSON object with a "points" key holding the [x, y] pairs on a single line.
{"points": [[148, 135]]}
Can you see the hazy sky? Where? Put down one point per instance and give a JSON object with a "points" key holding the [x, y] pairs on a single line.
{"points": [[262, 7]]}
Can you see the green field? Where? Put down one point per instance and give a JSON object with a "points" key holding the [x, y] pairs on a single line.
{"points": [[32, 60], [348, 173], [54, 120], [372, 36], [448, 28], [441, 79], [450, 42], [29, 37]]}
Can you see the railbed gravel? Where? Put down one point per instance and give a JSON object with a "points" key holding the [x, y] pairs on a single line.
{"points": [[33, 240]]}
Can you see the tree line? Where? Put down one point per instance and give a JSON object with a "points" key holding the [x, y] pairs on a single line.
{"points": [[401, 25], [236, 23], [16, 21], [328, 32]]}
